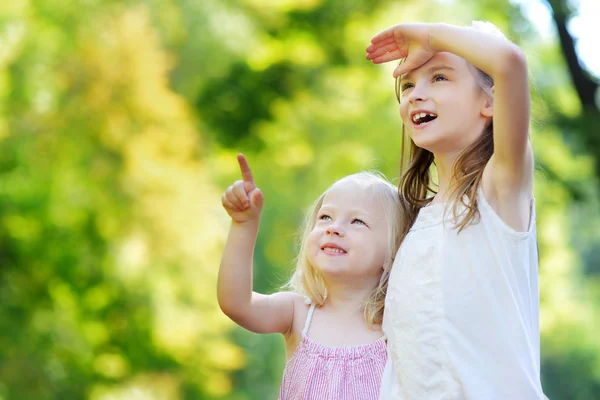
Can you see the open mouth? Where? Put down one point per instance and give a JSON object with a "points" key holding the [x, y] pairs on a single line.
{"points": [[423, 118], [333, 250]]}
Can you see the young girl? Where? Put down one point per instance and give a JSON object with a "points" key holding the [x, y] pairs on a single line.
{"points": [[462, 309], [331, 321]]}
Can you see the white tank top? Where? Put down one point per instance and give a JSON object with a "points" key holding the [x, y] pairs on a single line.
{"points": [[462, 311]]}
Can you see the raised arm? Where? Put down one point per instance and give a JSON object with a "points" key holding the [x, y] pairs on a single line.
{"points": [[512, 161], [256, 312], [496, 56]]}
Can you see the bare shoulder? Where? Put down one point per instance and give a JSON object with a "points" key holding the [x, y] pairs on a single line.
{"points": [[294, 335], [301, 307], [509, 196]]}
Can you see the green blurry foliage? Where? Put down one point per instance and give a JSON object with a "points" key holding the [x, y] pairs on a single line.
{"points": [[119, 125]]}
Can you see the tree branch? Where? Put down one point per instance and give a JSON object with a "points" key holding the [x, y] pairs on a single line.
{"points": [[584, 85]]}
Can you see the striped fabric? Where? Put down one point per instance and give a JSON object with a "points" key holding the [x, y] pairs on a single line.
{"points": [[319, 372]]}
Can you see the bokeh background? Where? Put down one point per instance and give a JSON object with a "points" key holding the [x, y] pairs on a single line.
{"points": [[119, 126]]}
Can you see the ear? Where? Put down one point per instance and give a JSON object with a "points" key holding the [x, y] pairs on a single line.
{"points": [[487, 109]]}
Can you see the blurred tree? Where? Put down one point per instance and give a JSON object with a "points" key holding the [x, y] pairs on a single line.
{"points": [[119, 124], [585, 85], [108, 236]]}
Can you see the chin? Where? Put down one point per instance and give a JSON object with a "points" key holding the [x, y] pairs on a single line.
{"points": [[425, 141], [332, 269]]}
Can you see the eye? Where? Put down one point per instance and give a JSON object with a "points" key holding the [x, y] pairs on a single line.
{"points": [[406, 86], [324, 217], [359, 222], [439, 78]]}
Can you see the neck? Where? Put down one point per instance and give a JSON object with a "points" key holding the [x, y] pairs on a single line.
{"points": [[445, 168], [348, 298]]}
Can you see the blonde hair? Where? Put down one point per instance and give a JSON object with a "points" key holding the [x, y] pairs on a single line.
{"points": [[416, 177], [307, 280]]}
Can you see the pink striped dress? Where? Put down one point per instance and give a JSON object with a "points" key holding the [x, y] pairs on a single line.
{"points": [[319, 372]]}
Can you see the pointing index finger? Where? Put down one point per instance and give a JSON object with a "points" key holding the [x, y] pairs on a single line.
{"points": [[246, 172]]}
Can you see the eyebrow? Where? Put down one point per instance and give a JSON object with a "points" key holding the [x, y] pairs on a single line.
{"points": [[431, 70], [355, 211]]}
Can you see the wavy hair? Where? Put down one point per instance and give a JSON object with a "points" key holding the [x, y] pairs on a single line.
{"points": [[309, 282], [416, 172]]}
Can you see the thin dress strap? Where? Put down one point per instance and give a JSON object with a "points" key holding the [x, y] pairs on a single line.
{"points": [[308, 319]]}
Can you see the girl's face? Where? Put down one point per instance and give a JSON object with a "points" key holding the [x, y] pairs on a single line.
{"points": [[350, 238], [442, 107]]}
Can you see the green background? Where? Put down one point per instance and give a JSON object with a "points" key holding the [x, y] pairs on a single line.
{"points": [[119, 126]]}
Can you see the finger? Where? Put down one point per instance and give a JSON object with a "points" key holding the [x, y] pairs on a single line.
{"points": [[246, 172], [233, 199], [240, 192], [381, 36], [227, 204], [258, 198], [391, 56], [374, 46], [404, 68], [377, 49], [382, 50]]}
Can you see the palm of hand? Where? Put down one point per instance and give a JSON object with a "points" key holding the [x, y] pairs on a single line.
{"points": [[408, 41]]}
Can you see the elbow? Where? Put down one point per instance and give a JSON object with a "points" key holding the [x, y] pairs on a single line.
{"points": [[235, 313], [226, 307], [512, 63], [229, 311], [229, 307], [225, 303]]}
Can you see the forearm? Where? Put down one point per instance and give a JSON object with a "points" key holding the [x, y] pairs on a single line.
{"points": [[492, 54], [506, 64], [234, 288]]}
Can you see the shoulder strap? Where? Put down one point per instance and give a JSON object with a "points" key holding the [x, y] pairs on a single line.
{"points": [[308, 319]]}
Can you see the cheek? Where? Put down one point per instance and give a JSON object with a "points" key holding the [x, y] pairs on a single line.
{"points": [[382, 248], [380, 257], [404, 113], [312, 242], [403, 107], [376, 261]]}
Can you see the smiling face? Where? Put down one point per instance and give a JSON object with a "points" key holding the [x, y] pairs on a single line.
{"points": [[442, 106], [350, 238]]}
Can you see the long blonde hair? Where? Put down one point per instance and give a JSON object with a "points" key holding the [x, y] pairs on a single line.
{"points": [[307, 280], [416, 172]]}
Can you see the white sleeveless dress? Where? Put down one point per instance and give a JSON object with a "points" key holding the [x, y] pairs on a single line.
{"points": [[462, 311]]}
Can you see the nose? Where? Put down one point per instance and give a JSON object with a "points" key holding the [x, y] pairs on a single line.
{"points": [[417, 94], [335, 229]]}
